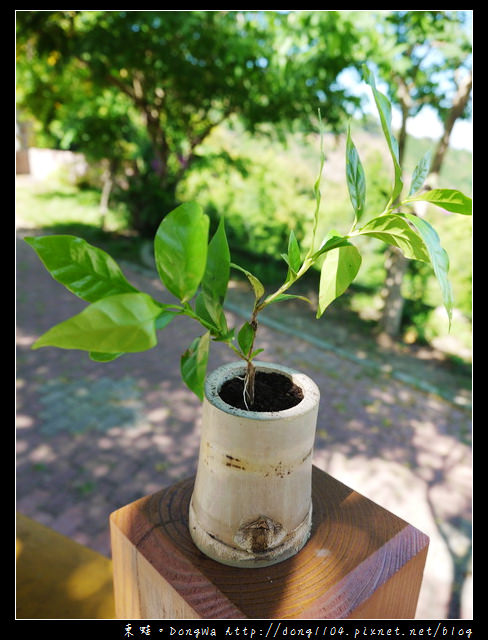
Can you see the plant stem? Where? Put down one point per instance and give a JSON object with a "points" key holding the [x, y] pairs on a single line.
{"points": [[249, 378], [284, 287], [249, 385]]}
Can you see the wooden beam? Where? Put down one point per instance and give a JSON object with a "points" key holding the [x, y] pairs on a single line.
{"points": [[58, 578]]}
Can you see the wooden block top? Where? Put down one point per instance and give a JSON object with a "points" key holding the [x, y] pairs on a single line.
{"points": [[354, 548]]}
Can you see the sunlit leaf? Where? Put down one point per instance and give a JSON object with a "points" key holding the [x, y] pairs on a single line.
{"points": [[209, 302], [448, 199], [331, 241], [180, 250], [121, 323], [217, 270], [420, 172], [395, 230], [294, 257], [384, 110], [88, 272], [256, 284], [356, 180], [339, 269], [438, 258]]}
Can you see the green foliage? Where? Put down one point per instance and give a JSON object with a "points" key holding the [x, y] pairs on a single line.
{"points": [[210, 300], [180, 250], [422, 55], [144, 89], [356, 181], [260, 204], [420, 173], [121, 323], [339, 269], [394, 230], [384, 109], [194, 364], [456, 167], [449, 199], [88, 272], [121, 319], [144, 196]]}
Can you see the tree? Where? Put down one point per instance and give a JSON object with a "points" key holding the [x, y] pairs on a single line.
{"points": [[425, 59], [458, 109], [179, 73]]}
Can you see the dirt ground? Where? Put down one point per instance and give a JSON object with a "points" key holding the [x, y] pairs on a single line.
{"points": [[92, 437]]}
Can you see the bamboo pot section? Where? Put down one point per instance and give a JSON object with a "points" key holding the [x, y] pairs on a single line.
{"points": [[251, 505]]}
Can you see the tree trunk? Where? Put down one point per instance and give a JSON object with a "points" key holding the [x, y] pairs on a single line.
{"points": [[396, 267], [395, 264], [107, 180], [458, 106]]}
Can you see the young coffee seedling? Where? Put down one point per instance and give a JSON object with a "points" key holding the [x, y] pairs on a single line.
{"points": [[120, 319]]}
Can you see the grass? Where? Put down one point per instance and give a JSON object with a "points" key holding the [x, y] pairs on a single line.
{"points": [[57, 207], [52, 203]]}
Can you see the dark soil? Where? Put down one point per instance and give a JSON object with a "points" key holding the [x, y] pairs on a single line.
{"points": [[272, 392]]}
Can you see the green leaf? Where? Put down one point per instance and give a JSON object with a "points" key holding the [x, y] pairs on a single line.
{"points": [[395, 230], [211, 314], [420, 172], [288, 296], [356, 181], [257, 286], [193, 364], [164, 318], [180, 250], [104, 357], [86, 271], [224, 337], [294, 258], [338, 271], [118, 324], [210, 301], [245, 338], [438, 258], [332, 240], [448, 199], [384, 110], [217, 270]]}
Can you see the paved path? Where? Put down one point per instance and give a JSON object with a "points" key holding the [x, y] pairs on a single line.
{"points": [[92, 437]]}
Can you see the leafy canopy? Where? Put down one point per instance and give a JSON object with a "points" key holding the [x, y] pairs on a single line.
{"points": [[145, 88], [194, 268]]}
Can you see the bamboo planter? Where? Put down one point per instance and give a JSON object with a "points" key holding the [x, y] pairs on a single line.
{"points": [[251, 505]]}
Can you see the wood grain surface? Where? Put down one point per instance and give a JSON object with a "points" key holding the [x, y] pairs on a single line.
{"points": [[360, 561]]}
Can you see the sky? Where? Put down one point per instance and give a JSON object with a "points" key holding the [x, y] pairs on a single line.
{"points": [[428, 125], [425, 125]]}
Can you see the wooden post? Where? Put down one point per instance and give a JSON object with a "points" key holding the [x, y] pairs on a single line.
{"points": [[361, 562]]}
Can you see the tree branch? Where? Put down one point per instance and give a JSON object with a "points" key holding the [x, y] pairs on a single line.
{"points": [[459, 103]]}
